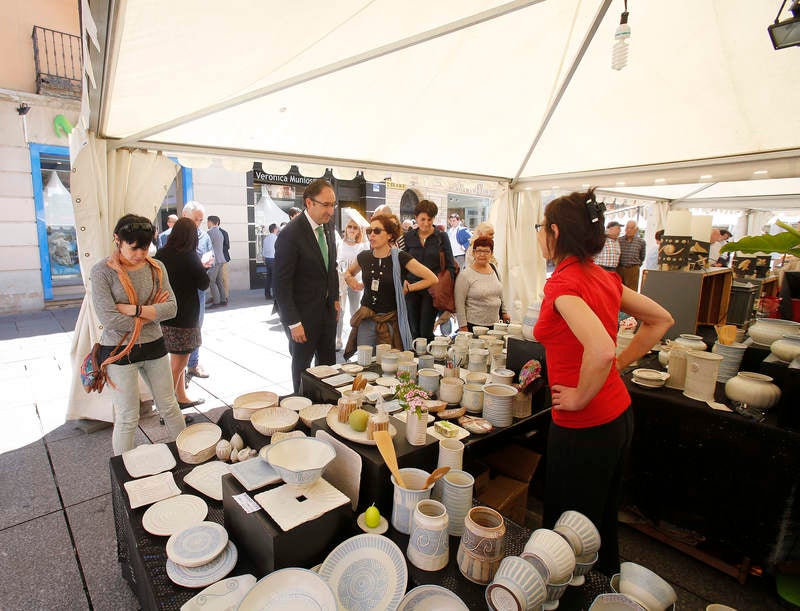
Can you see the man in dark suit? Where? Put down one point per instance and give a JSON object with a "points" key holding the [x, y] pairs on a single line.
{"points": [[306, 281]]}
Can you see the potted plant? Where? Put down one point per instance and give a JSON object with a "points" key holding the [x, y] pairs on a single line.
{"points": [[412, 398]]}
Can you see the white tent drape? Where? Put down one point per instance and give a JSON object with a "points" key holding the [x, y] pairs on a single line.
{"points": [[522, 266], [757, 220], [105, 186]]}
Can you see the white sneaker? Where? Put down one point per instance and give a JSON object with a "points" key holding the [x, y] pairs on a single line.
{"points": [[339, 345]]}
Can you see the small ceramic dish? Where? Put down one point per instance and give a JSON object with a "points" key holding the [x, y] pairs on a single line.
{"points": [[273, 420], [314, 412], [352, 368], [381, 528]]}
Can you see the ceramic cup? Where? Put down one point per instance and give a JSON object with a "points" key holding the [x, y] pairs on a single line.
{"points": [[429, 380], [482, 544], [499, 362], [478, 331], [407, 356], [425, 361], [455, 491], [450, 389], [409, 367], [472, 397], [428, 544], [420, 345], [404, 500], [380, 350], [389, 362], [676, 368], [451, 454], [516, 585], [502, 376], [477, 377], [364, 355]]}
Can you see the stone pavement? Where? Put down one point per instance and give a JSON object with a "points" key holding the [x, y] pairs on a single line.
{"points": [[57, 540]]}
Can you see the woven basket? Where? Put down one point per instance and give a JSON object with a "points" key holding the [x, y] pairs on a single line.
{"points": [[521, 406]]}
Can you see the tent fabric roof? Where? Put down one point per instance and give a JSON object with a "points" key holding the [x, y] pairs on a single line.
{"points": [[420, 90]]}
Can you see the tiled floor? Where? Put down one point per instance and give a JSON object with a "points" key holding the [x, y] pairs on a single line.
{"points": [[57, 542]]}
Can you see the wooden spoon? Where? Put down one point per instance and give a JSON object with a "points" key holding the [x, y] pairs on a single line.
{"points": [[386, 447], [437, 474]]}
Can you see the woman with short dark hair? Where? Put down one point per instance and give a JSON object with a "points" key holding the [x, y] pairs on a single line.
{"points": [[188, 276], [592, 426], [478, 290], [131, 294]]}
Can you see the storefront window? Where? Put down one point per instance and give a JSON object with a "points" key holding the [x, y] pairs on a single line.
{"points": [[471, 208], [55, 219]]}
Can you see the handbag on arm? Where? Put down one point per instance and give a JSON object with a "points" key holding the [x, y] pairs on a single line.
{"points": [[443, 292]]}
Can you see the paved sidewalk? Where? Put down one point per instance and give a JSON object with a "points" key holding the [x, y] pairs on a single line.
{"points": [[57, 538]]}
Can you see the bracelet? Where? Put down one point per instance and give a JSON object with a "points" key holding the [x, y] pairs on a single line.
{"points": [[138, 311]]}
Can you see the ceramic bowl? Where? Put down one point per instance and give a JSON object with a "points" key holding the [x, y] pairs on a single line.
{"points": [[198, 442], [768, 330], [244, 406], [650, 377], [301, 460], [273, 420], [554, 551], [787, 348], [313, 412], [579, 530], [645, 587]]}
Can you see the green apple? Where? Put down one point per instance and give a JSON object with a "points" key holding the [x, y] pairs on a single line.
{"points": [[358, 420], [372, 517]]}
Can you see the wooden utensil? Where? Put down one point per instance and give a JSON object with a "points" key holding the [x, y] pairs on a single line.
{"points": [[726, 334], [437, 474], [386, 447]]}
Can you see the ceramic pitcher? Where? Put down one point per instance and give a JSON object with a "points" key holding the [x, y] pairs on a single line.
{"points": [[482, 544], [428, 543]]}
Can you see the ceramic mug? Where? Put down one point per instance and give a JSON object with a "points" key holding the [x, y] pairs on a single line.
{"points": [[406, 356], [438, 350], [420, 345], [406, 499], [389, 362], [482, 544], [425, 361], [472, 397], [364, 357], [428, 544], [429, 380]]}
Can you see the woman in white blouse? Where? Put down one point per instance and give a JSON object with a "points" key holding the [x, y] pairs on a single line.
{"points": [[353, 243], [478, 290]]}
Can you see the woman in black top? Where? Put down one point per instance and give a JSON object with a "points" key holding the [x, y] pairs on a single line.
{"points": [[376, 322], [187, 276], [424, 244]]}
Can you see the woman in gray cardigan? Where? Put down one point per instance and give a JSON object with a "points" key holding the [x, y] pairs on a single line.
{"points": [[131, 294]]}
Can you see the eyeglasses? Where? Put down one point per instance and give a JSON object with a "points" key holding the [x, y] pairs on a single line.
{"points": [[455, 216], [538, 227], [483, 251], [375, 230], [329, 205]]}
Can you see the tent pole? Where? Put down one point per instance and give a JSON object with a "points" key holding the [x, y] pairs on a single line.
{"points": [[348, 62], [598, 18]]}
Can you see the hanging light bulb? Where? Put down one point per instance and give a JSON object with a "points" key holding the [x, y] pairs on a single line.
{"points": [[619, 54]]}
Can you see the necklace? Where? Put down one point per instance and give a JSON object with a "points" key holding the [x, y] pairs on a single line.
{"points": [[376, 271]]}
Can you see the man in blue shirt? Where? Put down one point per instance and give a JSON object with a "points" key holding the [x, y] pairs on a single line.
{"points": [[205, 250], [268, 252]]}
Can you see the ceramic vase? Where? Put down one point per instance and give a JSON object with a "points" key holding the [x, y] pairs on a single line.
{"points": [[787, 348], [428, 543], [404, 500], [455, 492], [701, 375], [529, 321], [687, 341], [753, 390], [482, 545], [416, 427]]}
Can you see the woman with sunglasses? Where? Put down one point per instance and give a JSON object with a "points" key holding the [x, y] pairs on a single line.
{"points": [[353, 243], [592, 426], [131, 296], [382, 319], [478, 290]]}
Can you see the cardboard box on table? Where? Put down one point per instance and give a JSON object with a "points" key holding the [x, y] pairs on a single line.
{"points": [[510, 472], [268, 546]]}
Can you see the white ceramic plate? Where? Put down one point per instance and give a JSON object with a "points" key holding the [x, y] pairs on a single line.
{"points": [[207, 478], [205, 575], [254, 473], [172, 515], [221, 596], [323, 371], [369, 376], [645, 384], [295, 403], [150, 489], [148, 459], [459, 435], [366, 572], [387, 381], [291, 589], [197, 545], [352, 368], [342, 378], [343, 429], [431, 598], [287, 511]]}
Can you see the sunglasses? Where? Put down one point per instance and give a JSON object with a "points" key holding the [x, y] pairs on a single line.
{"points": [[375, 230]]}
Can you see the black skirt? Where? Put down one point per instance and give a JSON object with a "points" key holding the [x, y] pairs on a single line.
{"points": [[180, 340]]}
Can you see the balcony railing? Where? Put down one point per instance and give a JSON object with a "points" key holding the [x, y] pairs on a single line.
{"points": [[58, 63]]}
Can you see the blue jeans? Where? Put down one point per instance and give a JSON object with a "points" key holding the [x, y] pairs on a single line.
{"points": [[125, 399], [194, 357]]}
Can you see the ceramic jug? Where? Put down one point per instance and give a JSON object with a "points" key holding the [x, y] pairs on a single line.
{"points": [[482, 544], [429, 543]]}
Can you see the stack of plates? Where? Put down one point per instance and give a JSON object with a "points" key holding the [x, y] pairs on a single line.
{"points": [[200, 555], [650, 378], [498, 402]]}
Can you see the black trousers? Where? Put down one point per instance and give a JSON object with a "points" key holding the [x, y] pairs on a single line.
{"points": [[421, 314], [584, 473], [320, 345], [269, 277]]}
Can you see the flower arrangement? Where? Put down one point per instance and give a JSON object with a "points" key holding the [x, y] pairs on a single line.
{"points": [[411, 395]]}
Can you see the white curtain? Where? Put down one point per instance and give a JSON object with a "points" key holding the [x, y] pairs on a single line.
{"points": [[757, 220], [105, 186], [514, 214]]}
